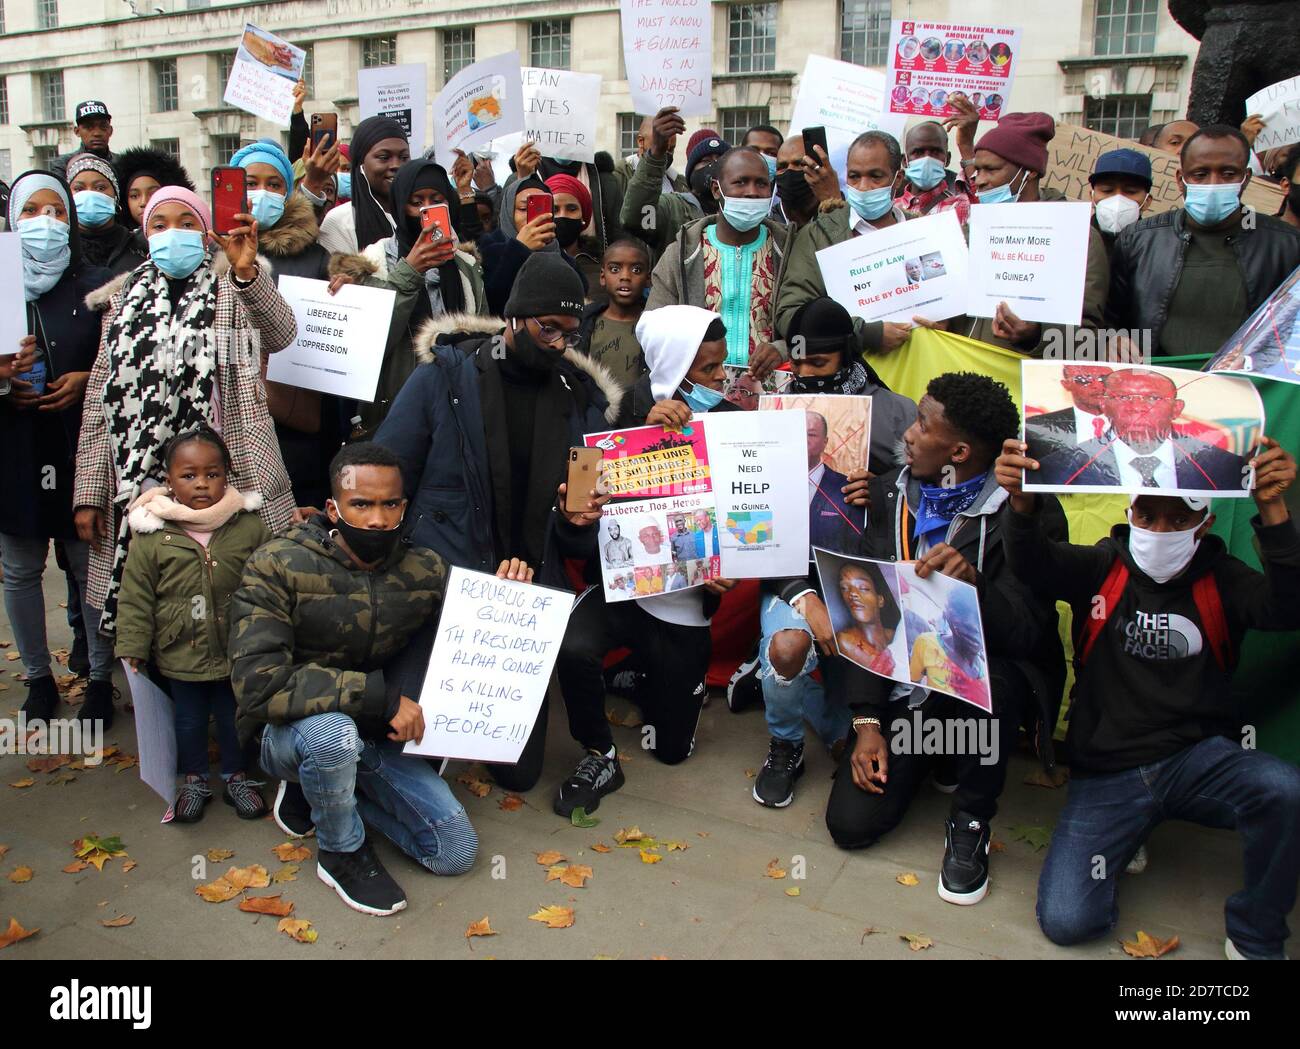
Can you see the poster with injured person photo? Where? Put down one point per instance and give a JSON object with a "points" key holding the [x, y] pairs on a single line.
{"points": [[918, 632], [1111, 428]]}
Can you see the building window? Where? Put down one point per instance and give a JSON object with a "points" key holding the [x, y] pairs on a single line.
{"points": [[223, 148], [457, 51], [1124, 27], [197, 5], [2, 24], [1124, 116], [378, 51], [549, 43], [628, 125], [47, 14], [733, 123], [4, 100], [6, 166], [52, 96], [166, 99], [43, 157], [864, 31], [309, 69], [170, 146], [225, 64], [751, 38]]}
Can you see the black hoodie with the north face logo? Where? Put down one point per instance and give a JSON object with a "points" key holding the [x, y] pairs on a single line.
{"points": [[1151, 685]]}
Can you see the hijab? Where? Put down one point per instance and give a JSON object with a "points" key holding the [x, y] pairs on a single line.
{"points": [[416, 175], [372, 222], [40, 276]]}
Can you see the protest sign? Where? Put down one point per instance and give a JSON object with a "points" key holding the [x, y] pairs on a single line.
{"points": [[492, 659], [13, 322], [481, 102], [931, 61], [915, 631], [1279, 105], [263, 75], [398, 92], [1161, 431], [846, 100], [912, 268], [155, 734], [1033, 257], [1073, 152], [559, 116], [668, 52], [1268, 344], [341, 337]]}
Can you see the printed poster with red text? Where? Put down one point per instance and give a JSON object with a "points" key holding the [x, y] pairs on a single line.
{"points": [[930, 61]]}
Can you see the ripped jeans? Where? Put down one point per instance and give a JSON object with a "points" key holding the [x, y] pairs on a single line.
{"points": [[789, 703]]}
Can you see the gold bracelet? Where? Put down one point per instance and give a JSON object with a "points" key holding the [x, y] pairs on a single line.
{"points": [[859, 721]]}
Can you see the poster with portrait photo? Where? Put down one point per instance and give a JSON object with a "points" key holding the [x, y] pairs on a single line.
{"points": [[890, 622], [1111, 428], [1268, 344]]}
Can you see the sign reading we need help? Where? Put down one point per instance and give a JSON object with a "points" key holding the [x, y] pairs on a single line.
{"points": [[481, 102], [1033, 257], [263, 75], [846, 100], [398, 92], [668, 52], [341, 337], [492, 659]]}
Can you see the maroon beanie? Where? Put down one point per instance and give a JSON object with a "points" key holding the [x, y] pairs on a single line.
{"points": [[702, 135], [1022, 139]]}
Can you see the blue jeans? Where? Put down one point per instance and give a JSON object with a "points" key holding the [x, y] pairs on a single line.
{"points": [[350, 782], [24, 567], [195, 702], [1214, 783], [789, 702]]}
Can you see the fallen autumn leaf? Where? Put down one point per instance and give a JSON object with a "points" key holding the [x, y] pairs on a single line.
{"points": [[554, 916]]}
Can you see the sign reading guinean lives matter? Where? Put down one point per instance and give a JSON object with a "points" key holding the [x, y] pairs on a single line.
{"points": [[668, 51], [492, 660]]}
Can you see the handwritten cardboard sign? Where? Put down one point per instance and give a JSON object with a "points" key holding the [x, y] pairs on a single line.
{"points": [[668, 51], [263, 75], [1279, 105]]}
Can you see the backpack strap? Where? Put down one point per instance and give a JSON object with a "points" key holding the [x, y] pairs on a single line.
{"points": [[1111, 589], [1205, 592]]}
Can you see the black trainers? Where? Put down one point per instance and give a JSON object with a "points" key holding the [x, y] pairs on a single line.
{"points": [[243, 795], [744, 689], [191, 800], [292, 812], [774, 784], [964, 877], [595, 776], [42, 699], [360, 880], [99, 703]]}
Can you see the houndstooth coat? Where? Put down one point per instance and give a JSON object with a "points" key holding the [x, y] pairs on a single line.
{"points": [[255, 317]]}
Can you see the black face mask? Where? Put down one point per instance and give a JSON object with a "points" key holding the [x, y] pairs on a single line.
{"points": [[528, 353], [794, 189], [371, 545], [1293, 199], [700, 179], [567, 231]]}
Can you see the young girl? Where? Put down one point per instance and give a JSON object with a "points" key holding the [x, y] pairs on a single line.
{"points": [[191, 540]]}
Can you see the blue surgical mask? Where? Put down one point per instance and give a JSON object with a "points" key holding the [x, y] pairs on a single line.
{"points": [[1210, 205], [44, 237], [94, 209], [771, 167], [924, 173], [345, 185], [177, 252], [745, 213], [1003, 194], [266, 207], [700, 398], [870, 204]]}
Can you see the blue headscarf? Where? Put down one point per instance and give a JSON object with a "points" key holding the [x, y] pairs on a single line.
{"points": [[265, 151], [40, 276]]}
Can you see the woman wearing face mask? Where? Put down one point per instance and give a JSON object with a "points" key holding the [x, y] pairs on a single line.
{"points": [[40, 417], [105, 242], [433, 276], [573, 215], [381, 148], [516, 238], [184, 343]]}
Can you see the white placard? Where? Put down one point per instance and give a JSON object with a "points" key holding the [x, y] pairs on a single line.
{"points": [[1033, 257], [481, 102], [263, 75], [13, 322], [560, 110], [155, 735], [668, 52], [913, 268], [341, 338], [846, 100], [1279, 105], [492, 660], [928, 62], [398, 92]]}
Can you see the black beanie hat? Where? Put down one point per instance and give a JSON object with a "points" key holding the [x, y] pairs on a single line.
{"points": [[825, 327], [546, 285]]}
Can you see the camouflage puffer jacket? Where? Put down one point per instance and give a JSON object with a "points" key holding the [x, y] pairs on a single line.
{"points": [[311, 632]]}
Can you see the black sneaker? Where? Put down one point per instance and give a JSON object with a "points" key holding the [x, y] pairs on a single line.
{"points": [[242, 793], [964, 877], [292, 812], [42, 699], [744, 689], [99, 703], [191, 800], [774, 784], [360, 880], [595, 776]]}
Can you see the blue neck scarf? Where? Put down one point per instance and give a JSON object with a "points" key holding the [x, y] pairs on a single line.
{"points": [[939, 505]]}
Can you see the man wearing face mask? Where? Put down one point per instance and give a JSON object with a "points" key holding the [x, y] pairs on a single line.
{"points": [[1121, 191], [768, 142], [928, 186], [482, 429], [731, 263], [1191, 276], [798, 199], [1155, 730]]}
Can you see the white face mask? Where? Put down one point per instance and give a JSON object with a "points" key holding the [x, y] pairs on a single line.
{"points": [[1116, 212], [1162, 555]]}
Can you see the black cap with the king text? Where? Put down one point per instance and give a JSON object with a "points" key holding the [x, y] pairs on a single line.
{"points": [[91, 109]]}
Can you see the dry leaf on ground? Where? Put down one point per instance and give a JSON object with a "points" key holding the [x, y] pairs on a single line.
{"points": [[511, 802], [298, 928], [119, 922], [272, 905], [478, 787], [54, 761], [916, 941], [75, 867], [907, 879], [575, 875], [792, 891], [14, 933], [650, 857], [598, 847], [555, 917], [21, 875], [1148, 946], [482, 927], [628, 834], [676, 846], [98, 851], [23, 783], [550, 857], [129, 866], [774, 869], [218, 891], [997, 845], [218, 855], [251, 877], [284, 874], [3, 850], [290, 852]]}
